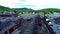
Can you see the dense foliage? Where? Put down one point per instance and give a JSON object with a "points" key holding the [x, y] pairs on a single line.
{"points": [[20, 10], [4, 9]]}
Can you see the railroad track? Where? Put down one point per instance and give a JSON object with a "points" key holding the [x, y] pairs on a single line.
{"points": [[34, 26], [27, 27]]}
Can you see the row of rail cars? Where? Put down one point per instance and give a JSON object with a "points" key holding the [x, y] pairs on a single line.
{"points": [[9, 23]]}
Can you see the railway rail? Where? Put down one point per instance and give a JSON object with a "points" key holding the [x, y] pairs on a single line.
{"points": [[35, 25]]}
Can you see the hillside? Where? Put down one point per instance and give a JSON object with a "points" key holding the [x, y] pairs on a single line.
{"points": [[2, 9], [51, 10], [21, 9], [18, 10]]}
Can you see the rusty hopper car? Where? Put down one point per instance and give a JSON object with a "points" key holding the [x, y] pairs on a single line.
{"points": [[9, 23]]}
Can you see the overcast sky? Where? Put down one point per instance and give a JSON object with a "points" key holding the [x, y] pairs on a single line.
{"points": [[34, 4]]}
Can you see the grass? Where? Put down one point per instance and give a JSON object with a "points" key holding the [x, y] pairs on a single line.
{"points": [[29, 14], [25, 14], [42, 14]]}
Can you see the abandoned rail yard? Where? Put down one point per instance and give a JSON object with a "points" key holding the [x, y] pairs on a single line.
{"points": [[11, 23], [29, 21]]}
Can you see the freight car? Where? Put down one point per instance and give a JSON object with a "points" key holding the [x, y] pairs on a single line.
{"points": [[57, 20], [9, 23]]}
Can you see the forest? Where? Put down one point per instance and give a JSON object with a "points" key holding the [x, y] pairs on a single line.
{"points": [[29, 10]]}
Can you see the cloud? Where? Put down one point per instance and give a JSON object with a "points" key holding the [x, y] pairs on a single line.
{"points": [[34, 4]]}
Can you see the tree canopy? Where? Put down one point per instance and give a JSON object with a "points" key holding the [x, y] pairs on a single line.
{"points": [[18, 10]]}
